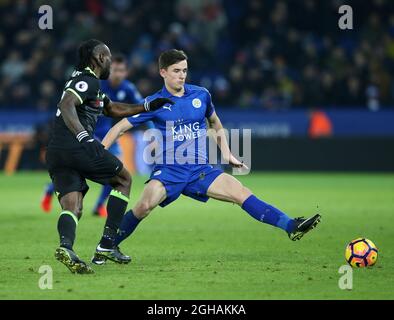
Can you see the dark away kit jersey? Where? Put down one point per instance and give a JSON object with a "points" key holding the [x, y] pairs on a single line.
{"points": [[86, 87]]}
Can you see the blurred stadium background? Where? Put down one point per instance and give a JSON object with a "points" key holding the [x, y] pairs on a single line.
{"points": [[316, 97]]}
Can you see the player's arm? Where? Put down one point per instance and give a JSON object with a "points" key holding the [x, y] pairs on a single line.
{"points": [[122, 110], [67, 107], [115, 132], [68, 111], [219, 135], [221, 140]]}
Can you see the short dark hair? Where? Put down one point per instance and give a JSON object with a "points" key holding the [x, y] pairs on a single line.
{"points": [[170, 57], [119, 58], [85, 53]]}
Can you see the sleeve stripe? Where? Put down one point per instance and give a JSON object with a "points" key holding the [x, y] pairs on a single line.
{"points": [[82, 135], [73, 91]]}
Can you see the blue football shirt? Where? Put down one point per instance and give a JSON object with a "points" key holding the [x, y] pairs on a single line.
{"points": [[125, 92], [182, 126]]}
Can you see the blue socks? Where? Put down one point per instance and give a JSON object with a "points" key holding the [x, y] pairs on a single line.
{"points": [[258, 209], [105, 191], [266, 213], [127, 226]]}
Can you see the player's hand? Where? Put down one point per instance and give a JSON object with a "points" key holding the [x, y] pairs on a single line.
{"points": [[156, 104], [235, 163]]}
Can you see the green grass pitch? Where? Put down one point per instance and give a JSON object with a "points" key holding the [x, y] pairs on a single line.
{"points": [[191, 250]]}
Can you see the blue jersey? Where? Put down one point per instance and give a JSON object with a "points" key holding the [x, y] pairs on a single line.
{"points": [[125, 92], [182, 126]]}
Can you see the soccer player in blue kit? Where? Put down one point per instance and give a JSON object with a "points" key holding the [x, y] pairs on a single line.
{"points": [[118, 89], [185, 124]]}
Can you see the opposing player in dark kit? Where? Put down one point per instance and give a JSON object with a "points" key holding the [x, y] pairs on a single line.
{"points": [[73, 155]]}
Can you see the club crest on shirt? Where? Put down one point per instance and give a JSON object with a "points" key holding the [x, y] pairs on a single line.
{"points": [[196, 103], [99, 104], [121, 95]]}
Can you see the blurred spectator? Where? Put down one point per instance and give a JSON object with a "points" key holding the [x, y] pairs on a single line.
{"points": [[263, 54], [13, 67], [320, 125]]}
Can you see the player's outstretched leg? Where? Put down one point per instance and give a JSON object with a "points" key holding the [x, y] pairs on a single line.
{"points": [[295, 228], [227, 188], [67, 224], [303, 225], [46, 200], [99, 208], [116, 207]]}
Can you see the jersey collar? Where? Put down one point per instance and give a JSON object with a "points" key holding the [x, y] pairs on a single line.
{"points": [[167, 94]]}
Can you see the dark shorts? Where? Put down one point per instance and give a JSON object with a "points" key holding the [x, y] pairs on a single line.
{"points": [[190, 180], [69, 169]]}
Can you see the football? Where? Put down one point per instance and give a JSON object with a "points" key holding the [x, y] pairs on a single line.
{"points": [[361, 253]]}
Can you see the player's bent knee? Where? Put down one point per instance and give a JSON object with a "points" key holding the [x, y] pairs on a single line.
{"points": [[127, 179], [122, 182], [123, 178]]}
